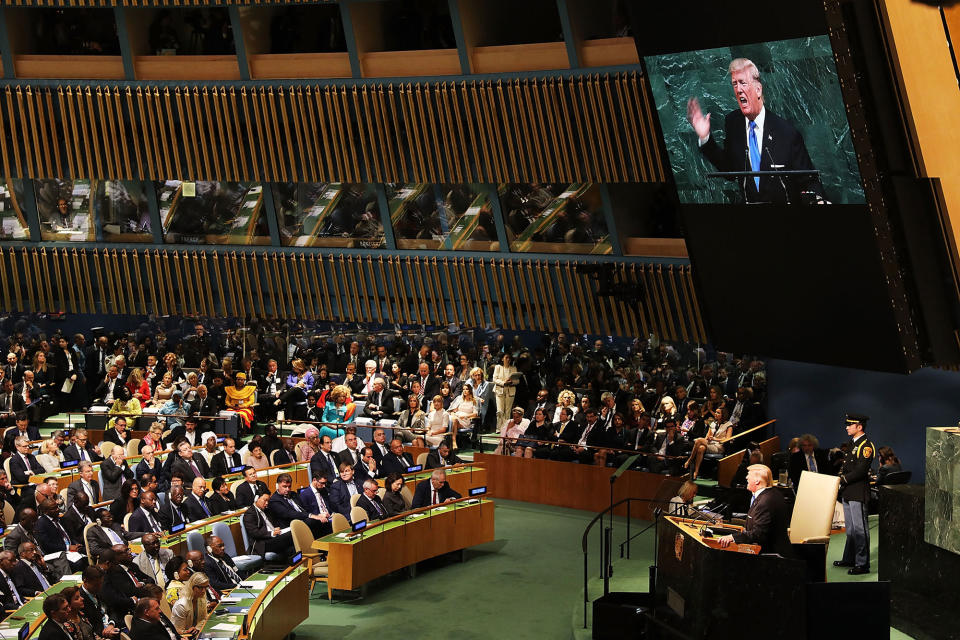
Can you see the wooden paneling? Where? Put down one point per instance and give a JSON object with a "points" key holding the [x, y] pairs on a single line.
{"points": [[608, 52], [74, 67], [575, 486], [600, 129], [430, 62], [536, 56], [268, 66], [186, 68]]}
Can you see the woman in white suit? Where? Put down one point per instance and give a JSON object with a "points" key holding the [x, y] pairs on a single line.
{"points": [[504, 388]]}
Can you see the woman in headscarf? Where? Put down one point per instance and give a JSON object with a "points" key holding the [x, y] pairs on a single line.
{"points": [[209, 441], [240, 398], [338, 407]]}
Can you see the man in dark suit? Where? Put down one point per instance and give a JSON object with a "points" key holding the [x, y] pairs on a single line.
{"points": [[147, 517], [204, 405], [429, 385], [379, 445], [149, 623], [106, 534], [23, 464], [284, 507], [270, 386], [224, 461], [24, 428], [436, 491], [264, 535], [81, 449], [442, 457], [10, 597], [367, 467], [757, 140], [666, 449], [542, 401], [397, 461], [370, 502], [344, 488], [57, 610], [223, 573], [325, 461], [190, 465], [123, 582], [13, 370], [109, 388], [86, 484], [316, 499], [810, 458], [77, 516], [195, 505], [11, 404], [31, 575], [379, 402], [51, 534], [171, 511], [768, 517], [250, 488]]}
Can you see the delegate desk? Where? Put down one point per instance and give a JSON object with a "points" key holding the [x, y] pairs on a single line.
{"points": [[709, 592], [402, 541], [461, 478], [266, 606], [177, 542]]}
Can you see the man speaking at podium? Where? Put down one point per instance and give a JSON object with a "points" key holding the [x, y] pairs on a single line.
{"points": [[757, 140], [768, 517]]}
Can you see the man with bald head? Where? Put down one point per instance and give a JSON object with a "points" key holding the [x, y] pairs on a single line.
{"points": [[147, 517], [153, 558], [195, 560], [77, 516], [221, 570]]}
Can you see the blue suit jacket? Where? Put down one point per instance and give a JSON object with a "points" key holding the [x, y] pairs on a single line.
{"points": [[309, 502], [340, 495], [281, 513]]}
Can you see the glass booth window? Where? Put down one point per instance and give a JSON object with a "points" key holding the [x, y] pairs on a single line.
{"points": [[212, 212], [64, 210], [13, 219], [122, 211], [555, 218], [447, 217], [328, 214]]}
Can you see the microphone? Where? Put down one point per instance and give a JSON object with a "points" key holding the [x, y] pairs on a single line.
{"points": [[777, 166], [747, 166]]}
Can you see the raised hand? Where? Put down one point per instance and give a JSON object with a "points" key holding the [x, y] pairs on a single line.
{"points": [[699, 122]]}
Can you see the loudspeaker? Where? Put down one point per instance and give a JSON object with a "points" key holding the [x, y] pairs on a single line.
{"points": [[621, 615], [848, 610]]}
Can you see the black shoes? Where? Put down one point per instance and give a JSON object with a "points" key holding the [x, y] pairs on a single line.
{"points": [[841, 563], [858, 571]]}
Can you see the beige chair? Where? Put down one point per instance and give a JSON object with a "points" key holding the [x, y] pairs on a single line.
{"points": [[106, 447], [407, 496], [422, 459], [8, 513], [126, 521], [297, 449], [382, 491], [133, 447], [316, 568], [63, 494], [86, 542], [339, 523], [235, 485], [6, 468], [813, 510], [354, 499], [128, 620], [357, 514]]}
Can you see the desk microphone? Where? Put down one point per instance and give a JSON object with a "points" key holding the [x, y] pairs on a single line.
{"points": [[775, 167]]}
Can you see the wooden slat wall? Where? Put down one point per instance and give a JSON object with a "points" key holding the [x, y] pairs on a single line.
{"points": [[597, 128], [514, 294], [151, 3]]}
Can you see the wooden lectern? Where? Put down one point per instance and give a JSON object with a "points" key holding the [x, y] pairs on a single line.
{"points": [[706, 591]]}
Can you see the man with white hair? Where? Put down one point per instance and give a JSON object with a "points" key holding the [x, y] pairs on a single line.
{"points": [[768, 517], [757, 140]]}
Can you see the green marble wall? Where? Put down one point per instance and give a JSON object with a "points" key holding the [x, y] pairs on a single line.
{"points": [[942, 500], [799, 83]]}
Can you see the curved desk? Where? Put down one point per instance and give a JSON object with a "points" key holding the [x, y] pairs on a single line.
{"points": [[264, 612], [395, 543]]}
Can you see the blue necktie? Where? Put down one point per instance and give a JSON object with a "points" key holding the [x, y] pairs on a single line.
{"points": [[43, 581], [754, 152]]}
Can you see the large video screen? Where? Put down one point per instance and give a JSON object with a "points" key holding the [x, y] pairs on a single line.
{"points": [[769, 117]]}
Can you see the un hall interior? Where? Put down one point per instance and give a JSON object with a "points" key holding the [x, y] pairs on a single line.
{"points": [[479, 318]]}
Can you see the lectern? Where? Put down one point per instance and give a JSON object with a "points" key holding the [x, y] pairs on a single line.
{"points": [[706, 591]]}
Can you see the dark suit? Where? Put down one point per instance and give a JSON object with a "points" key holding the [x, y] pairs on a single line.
{"points": [[340, 495], [782, 144], [434, 462], [309, 501], [767, 522], [431, 388], [112, 477], [798, 464], [52, 631], [223, 503], [281, 512], [392, 464], [261, 537], [170, 516], [74, 523], [379, 405], [33, 433], [94, 609], [49, 536], [10, 404], [220, 579], [76, 487], [245, 494], [21, 471], [100, 541], [183, 466], [220, 466], [140, 522], [72, 452], [373, 513], [346, 456], [112, 435], [206, 407], [320, 464], [144, 630], [26, 581], [106, 386], [119, 589], [422, 497], [7, 598], [194, 510]]}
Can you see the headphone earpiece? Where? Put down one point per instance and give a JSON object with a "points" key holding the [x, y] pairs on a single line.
{"points": [[98, 522], [209, 550], [190, 563]]}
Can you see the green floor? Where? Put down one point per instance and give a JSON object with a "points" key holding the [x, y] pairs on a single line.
{"points": [[528, 583]]}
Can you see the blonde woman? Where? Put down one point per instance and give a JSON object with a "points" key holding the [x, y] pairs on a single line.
{"points": [[463, 410], [189, 612], [567, 399], [154, 437], [481, 391], [50, 455], [139, 388], [438, 422], [164, 390], [504, 388]]}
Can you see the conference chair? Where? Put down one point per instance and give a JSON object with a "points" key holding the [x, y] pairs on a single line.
{"points": [[106, 447], [195, 541], [273, 457], [812, 519], [246, 563], [86, 542], [8, 512], [407, 496], [354, 499], [128, 620], [268, 556], [382, 491], [339, 523], [317, 569], [63, 494], [6, 468], [897, 477], [357, 514], [422, 459], [298, 449], [126, 521], [132, 447]]}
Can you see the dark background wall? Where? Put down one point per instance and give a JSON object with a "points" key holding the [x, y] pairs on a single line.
{"points": [[809, 398]]}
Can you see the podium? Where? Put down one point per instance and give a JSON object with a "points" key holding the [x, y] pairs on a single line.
{"points": [[785, 178], [706, 591]]}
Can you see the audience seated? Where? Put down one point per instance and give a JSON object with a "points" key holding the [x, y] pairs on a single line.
{"points": [[437, 491]]}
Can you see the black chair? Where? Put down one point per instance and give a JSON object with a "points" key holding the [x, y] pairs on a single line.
{"points": [[897, 477]]}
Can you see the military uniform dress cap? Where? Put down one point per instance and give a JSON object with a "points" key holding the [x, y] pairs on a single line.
{"points": [[852, 418]]}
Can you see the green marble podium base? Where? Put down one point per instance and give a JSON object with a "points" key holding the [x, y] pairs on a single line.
{"points": [[942, 509]]}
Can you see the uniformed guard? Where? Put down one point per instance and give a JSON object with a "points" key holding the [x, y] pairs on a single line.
{"points": [[855, 492]]}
